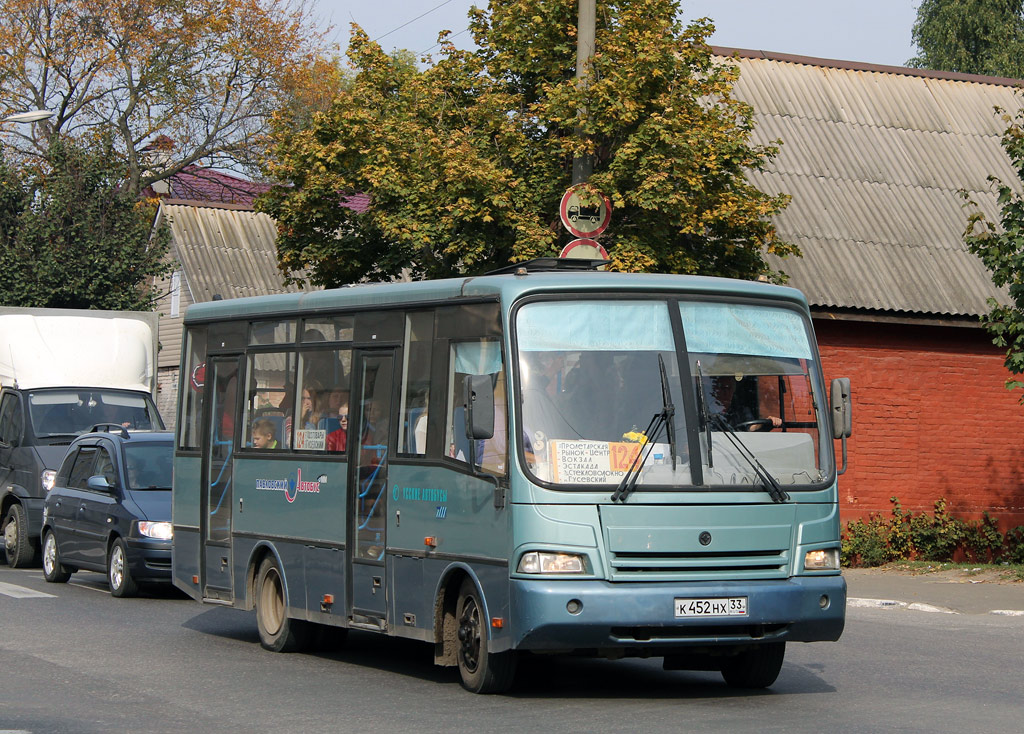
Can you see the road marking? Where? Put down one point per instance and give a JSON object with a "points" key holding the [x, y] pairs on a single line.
{"points": [[1008, 612], [90, 588], [21, 592], [854, 602]]}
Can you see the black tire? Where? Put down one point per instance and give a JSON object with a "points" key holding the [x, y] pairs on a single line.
{"points": [[757, 667], [118, 574], [278, 632], [481, 671], [18, 547], [53, 570]]}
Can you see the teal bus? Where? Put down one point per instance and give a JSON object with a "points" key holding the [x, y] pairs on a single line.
{"points": [[549, 459]]}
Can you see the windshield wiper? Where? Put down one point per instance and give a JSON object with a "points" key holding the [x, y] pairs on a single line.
{"points": [[704, 419], [668, 410], [771, 485], [661, 419]]}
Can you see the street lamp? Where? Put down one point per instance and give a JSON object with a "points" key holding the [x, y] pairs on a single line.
{"points": [[29, 116]]}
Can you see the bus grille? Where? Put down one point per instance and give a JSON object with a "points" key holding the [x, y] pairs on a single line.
{"points": [[632, 566]]}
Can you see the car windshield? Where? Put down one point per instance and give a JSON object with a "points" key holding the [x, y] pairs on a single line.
{"points": [[601, 394], [149, 465], [63, 412]]}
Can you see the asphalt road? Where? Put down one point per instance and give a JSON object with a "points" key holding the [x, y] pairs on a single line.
{"points": [[82, 661]]}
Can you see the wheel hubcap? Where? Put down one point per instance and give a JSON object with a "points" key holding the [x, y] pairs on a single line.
{"points": [[50, 555], [116, 567], [11, 535], [469, 635], [272, 606]]}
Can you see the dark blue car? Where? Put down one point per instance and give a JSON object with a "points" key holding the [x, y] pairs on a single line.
{"points": [[110, 509]]}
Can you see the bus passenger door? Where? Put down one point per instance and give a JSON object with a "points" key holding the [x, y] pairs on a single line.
{"points": [[218, 447], [369, 447]]}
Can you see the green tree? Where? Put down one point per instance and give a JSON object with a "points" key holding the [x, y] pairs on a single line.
{"points": [[970, 36], [465, 161], [75, 236], [1000, 245]]}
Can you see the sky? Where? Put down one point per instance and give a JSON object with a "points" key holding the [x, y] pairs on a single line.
{"points": [[868, 31]]}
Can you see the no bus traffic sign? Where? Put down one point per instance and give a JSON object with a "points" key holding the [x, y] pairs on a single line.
{"points": [[585, 212]]}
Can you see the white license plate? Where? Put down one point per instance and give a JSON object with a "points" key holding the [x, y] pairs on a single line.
{"points": [[729, 606]]}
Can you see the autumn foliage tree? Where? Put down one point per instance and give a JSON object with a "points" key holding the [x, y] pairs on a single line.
{"points": [[465, 161], [205, 74]]}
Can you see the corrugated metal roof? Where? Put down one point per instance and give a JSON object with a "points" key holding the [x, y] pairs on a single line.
{"points": [[875, 158], [224, 250]]}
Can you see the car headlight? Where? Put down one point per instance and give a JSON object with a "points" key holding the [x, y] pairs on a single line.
{"points": [[537, 562], [822, 560], [158, 530], [47, 478]]}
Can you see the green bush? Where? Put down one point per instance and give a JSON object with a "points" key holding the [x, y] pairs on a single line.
{"points": [[931, 537], [1013, 546]]}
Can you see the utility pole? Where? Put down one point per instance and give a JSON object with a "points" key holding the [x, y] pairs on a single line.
{"points": [[583, 166]]}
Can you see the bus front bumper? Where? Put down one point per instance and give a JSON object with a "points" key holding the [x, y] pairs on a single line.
{"points": [[640, 618]]}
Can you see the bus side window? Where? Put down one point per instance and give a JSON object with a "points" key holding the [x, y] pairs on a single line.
{"points": [[419, 340], [481, 357], [270, 388]]}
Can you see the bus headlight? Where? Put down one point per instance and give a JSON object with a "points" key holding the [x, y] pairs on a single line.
{"points": [[822, 560], [158, 530], [47, 479], [537, 562]]}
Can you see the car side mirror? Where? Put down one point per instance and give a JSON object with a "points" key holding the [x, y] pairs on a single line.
{"points": [[99, 483]]}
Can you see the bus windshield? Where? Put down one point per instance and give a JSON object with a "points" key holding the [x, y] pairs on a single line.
{"points": [[591, 387], [594, 375], [754, 377]]}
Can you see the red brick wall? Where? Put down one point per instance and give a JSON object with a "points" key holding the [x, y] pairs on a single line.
{"points": [[931, 419]]}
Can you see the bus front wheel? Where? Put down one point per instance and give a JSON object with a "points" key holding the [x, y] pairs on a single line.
{"points": [[481, 671], [278, 632], [757, 667]]}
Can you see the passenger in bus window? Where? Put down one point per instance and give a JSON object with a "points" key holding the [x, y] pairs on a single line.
{"points": [[310, 408], [337, 440], [263, 434]]}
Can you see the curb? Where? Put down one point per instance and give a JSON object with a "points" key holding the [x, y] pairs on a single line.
{"points": [[920, 607]]}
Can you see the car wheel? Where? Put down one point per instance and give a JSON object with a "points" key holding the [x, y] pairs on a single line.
{"points": [[17, 546], [481, 671], [118, 574], [278, 632], [755, 668], [53, 571]]}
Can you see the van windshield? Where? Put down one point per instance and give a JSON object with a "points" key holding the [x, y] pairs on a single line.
{"points": [[63, 412]]}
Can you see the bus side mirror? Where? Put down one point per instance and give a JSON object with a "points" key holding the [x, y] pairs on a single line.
{"points": [[479, 402], [842, 419]]}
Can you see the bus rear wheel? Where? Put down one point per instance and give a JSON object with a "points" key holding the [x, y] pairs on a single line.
{"points": [[481, 671], [757, 667], [278, 633]]}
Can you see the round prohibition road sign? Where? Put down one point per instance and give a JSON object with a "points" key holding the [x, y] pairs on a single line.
{"points": [[585, 249], [584, 212]]}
